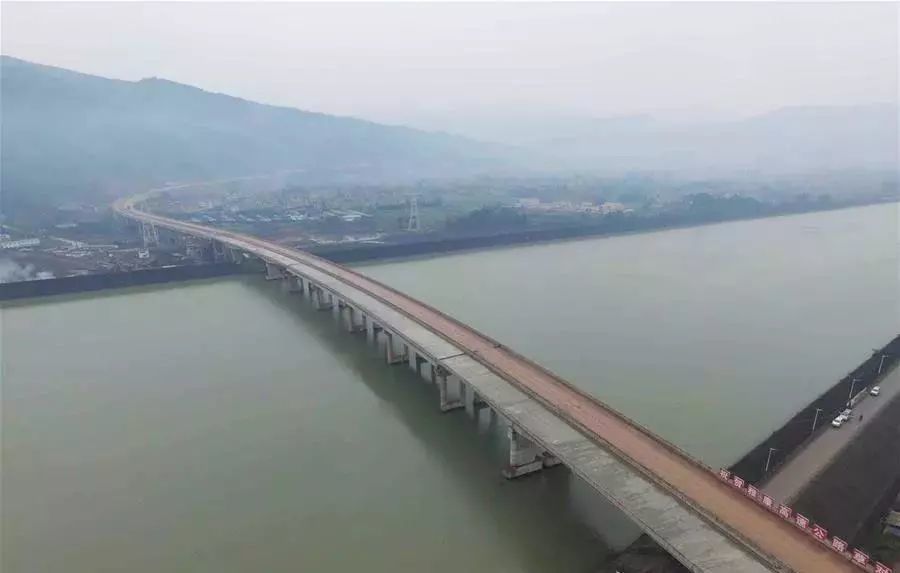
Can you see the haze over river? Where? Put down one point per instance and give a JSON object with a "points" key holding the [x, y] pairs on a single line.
{"points": [[224, 426]]}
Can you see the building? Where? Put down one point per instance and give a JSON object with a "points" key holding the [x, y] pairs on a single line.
{"points": [[20, 243]]}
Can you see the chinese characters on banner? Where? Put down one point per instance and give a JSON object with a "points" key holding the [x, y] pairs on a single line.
{"points": [[860, 557], [801, 521], [784, 511], [819, 532]]}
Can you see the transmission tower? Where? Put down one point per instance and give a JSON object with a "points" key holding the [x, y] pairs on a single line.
{"points": [[413, 224]]}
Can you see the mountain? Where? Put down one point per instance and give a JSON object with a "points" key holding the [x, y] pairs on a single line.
{"points": [[67, 135], [794, 140]]}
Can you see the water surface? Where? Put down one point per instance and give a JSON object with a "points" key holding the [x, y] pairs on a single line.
{"points": [[712, 336], [226, 427]]}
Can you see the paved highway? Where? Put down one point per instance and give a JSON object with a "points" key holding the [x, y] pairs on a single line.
{"points": [[793, 476], [778, 543]]}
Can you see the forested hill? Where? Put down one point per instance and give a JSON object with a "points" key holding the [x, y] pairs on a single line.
{"points": [[67, 136]]}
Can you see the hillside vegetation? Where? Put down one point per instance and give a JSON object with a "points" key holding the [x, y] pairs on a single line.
{"points": [[67, 136]]}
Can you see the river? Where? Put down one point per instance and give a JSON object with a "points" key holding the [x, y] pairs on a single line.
{"points": [[224, 426]]}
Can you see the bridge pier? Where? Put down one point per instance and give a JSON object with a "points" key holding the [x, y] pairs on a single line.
{"points": [[307, 287], [449, 389], [354, 319], [525, 457], [473, 402], [273, 272], [219, 252], [371, 329], [322, 300], [422, 367], [394, 348], [294, 284], [301, 285]]}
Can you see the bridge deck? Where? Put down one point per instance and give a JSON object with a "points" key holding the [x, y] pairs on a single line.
{"points": [[705, 523]]}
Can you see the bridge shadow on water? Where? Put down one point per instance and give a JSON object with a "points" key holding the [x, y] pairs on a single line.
{"points": [[472, 450]]}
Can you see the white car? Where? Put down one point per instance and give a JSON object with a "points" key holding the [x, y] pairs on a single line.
{"points": [[836, 423], [875, 390]]}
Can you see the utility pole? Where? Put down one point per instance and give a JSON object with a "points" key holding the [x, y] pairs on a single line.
{"points": [[769, 459], [815, 419], [852, 385]]}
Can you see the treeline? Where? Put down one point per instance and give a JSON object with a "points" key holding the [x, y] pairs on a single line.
{"points": [[495, 226]]}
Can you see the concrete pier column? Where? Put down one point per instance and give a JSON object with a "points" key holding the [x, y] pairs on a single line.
{"points": [[235, 256], [484, 418], [423, 368], [470, 398], [273, 272], [394, 349], [217, 251], [525, 456], [354, 320], [294, 283], [322, 300], [449, 390], [370, 328]]}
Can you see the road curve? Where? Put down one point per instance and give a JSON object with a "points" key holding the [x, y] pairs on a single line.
{"points": [[779, 544]]}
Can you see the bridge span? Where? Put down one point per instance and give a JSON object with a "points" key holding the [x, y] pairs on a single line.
{"points": [[703, 521]]}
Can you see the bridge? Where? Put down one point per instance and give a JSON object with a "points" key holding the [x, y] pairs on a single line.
{"points": [[701, 519]]}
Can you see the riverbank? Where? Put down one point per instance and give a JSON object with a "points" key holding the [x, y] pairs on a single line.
{"points": [[610, 227], [784, 442], [850, 494], [103, 281], [857, 487]]}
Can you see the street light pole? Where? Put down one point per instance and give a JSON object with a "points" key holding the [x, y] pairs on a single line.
{"points": [[815, 419], [852, 384], [769, 459], [881, 364]]}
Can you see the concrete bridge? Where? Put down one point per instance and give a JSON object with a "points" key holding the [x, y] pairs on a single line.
{"points": [[700, 519]]}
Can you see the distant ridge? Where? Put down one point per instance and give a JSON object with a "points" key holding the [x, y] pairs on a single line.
{"points": [[68, 135]]}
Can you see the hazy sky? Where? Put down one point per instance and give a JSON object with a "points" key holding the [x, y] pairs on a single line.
{"points": [[403, 62]]}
